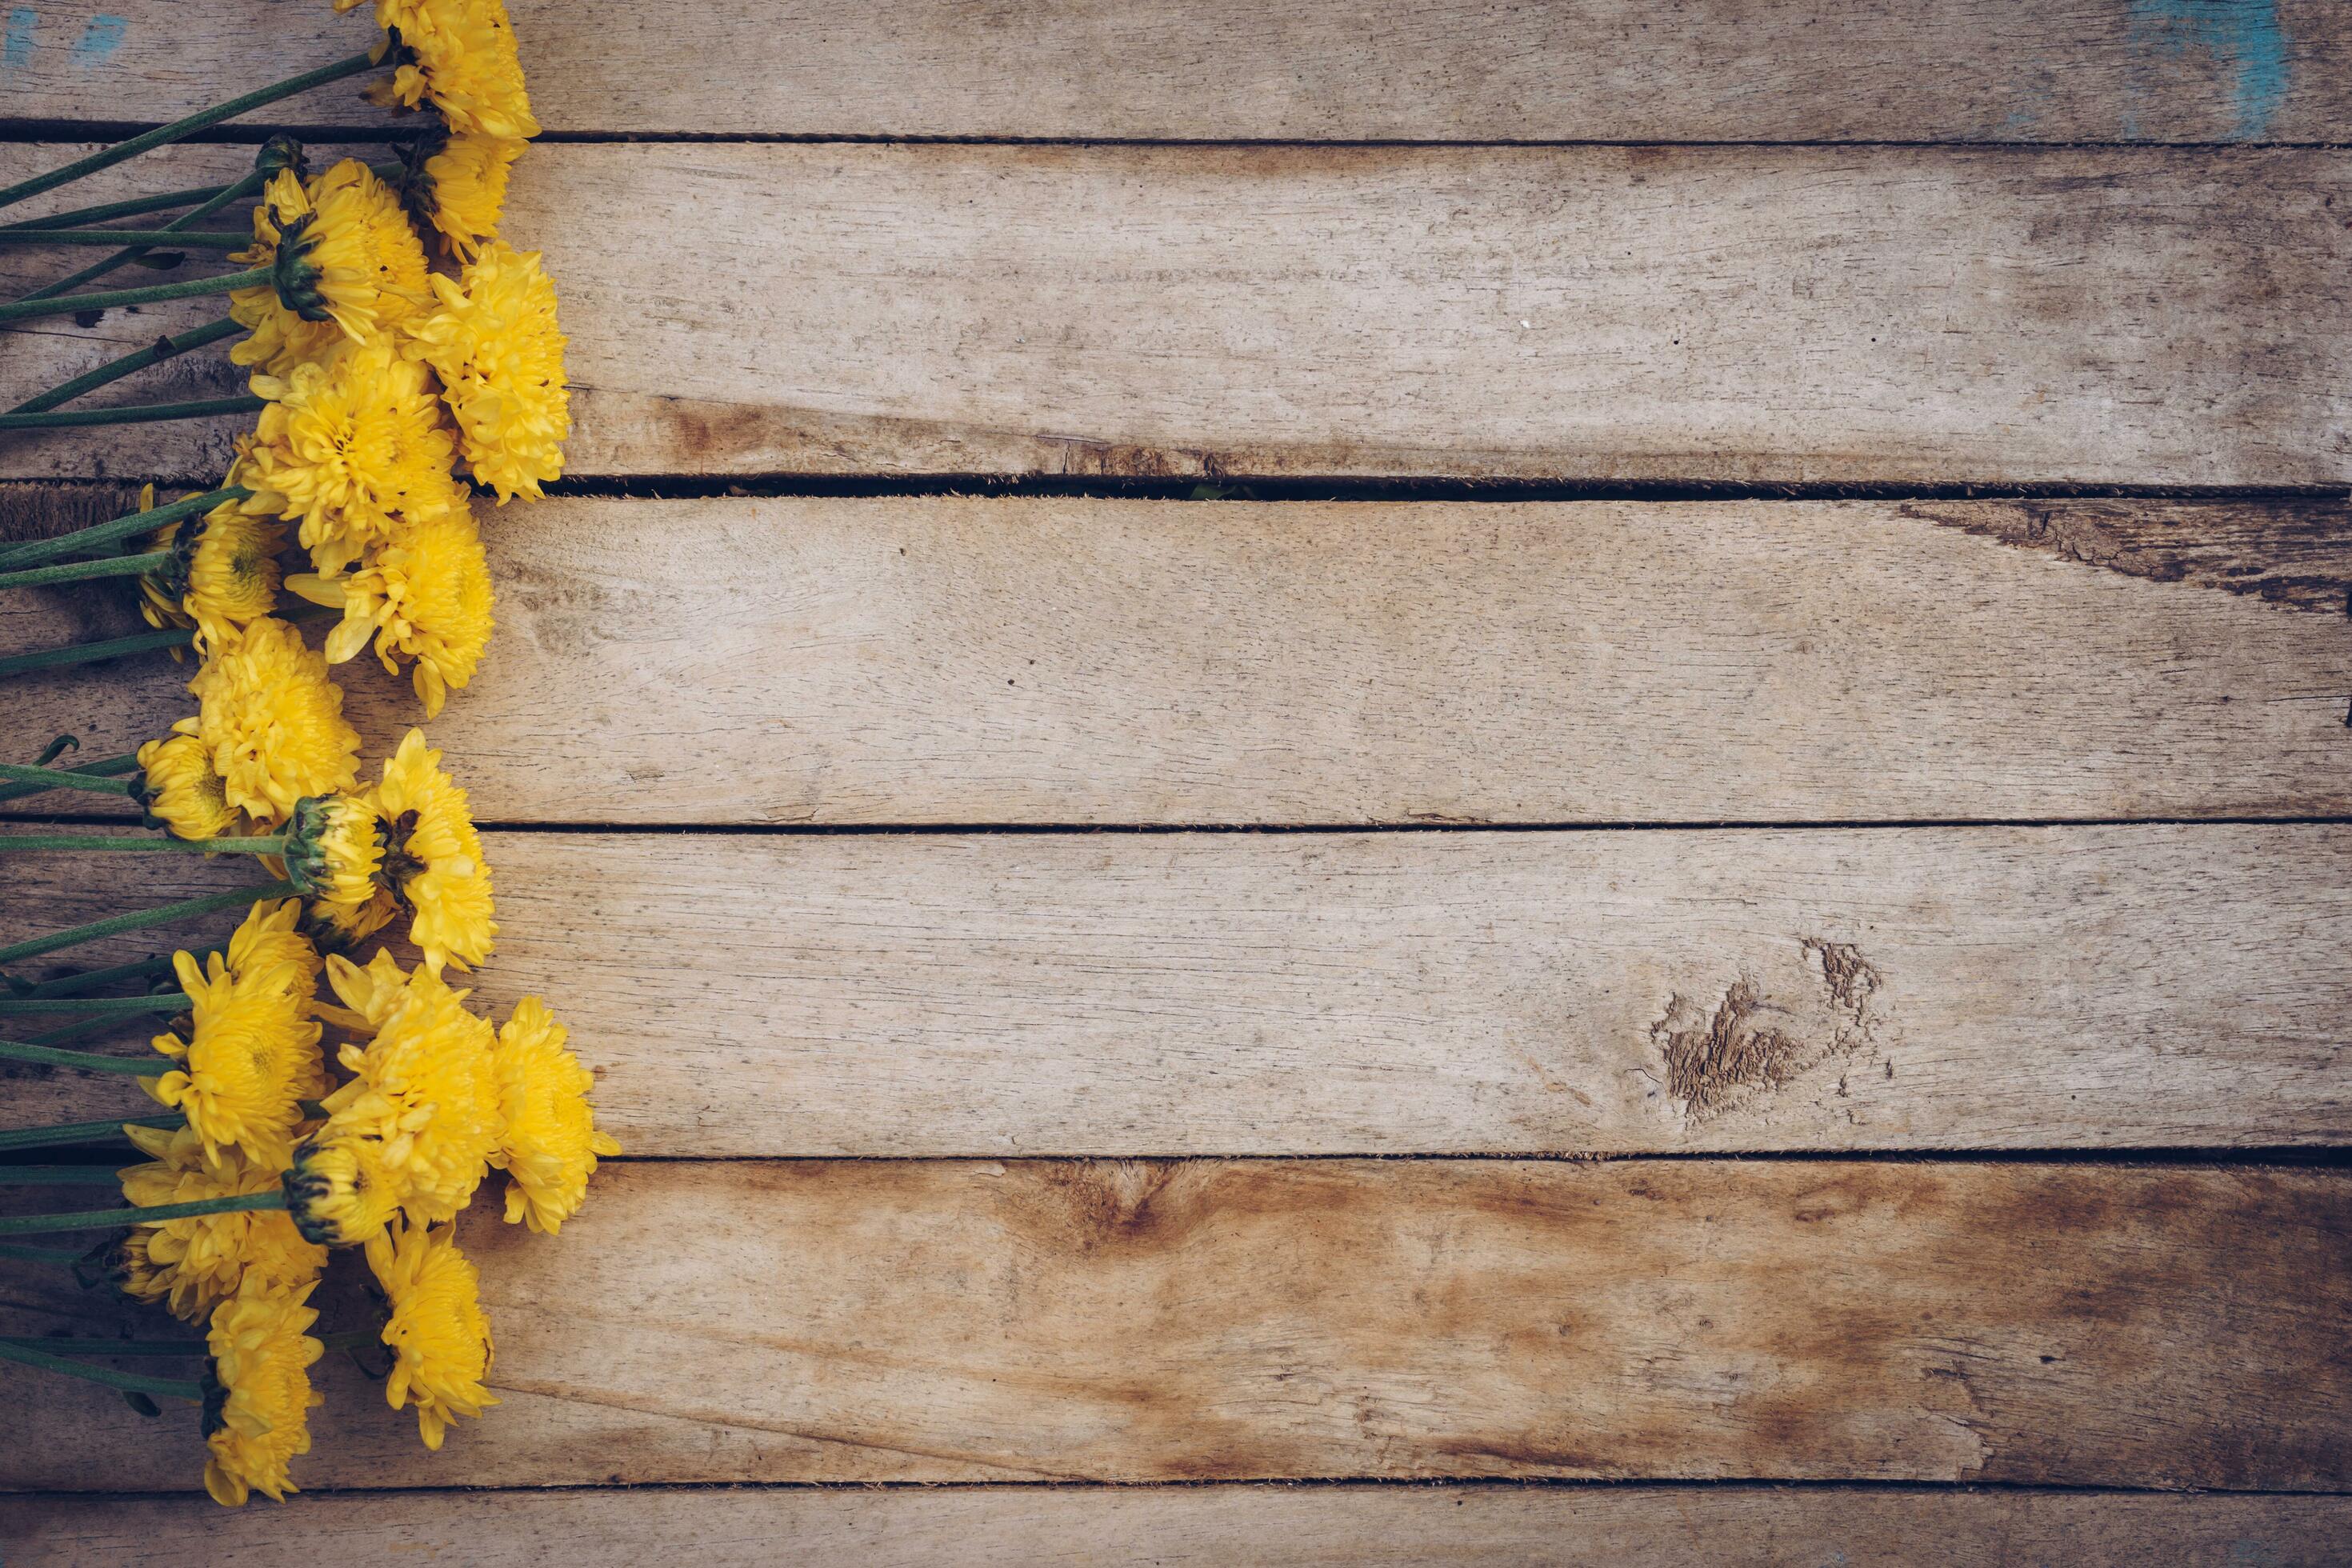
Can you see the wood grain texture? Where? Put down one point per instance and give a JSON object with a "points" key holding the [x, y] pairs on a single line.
{"points": [[924, 995], [932, 660], [967, 1320], [1512, 1526], [1702, 70], [1905, 315]]}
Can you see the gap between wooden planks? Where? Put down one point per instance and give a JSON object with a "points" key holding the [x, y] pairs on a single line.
{"points": [[931, 660], [1461, 992], [969, 1321], [1716, 70], [1787, 315], [1625, 1526]]}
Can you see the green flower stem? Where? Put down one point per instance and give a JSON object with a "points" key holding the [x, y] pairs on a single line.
{"points": [[137, 642], [129, 207], [107, 157], [138, 414], [128, 1382], [61, 778], [108, 299], [83, 571], [139, 920], [162, 1002], [84, 1131], [65, 1255], [123, 258], [351, 1339], [91, 652], [106, 767], [266, 844], [87, 1346], [74, 984], [124, 1218], [115, 369], [90, 1023], [82, 541], [57, 1176], [195, 239], [154, 1066]]}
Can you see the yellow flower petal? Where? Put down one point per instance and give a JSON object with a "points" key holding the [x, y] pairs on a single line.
{"points": [[494, 342], [551, 1146], [438, 1335], [261, 1358], [272, 721]]}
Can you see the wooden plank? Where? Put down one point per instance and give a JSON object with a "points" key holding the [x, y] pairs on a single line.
{"points": [[937, 660], [1891, 314], [1237, 994], [940, 1320], [1013, 1526], [1608, 71]]}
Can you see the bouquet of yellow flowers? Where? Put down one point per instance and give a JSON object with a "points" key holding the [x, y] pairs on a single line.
{"points": [[406, 365]]}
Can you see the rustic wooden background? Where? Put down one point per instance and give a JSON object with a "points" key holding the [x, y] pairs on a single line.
{"points": [[1715, 859]]}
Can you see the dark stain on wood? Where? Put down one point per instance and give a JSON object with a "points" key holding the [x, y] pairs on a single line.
{"points": [[1750, 1042], [2296, 554], [1709, 1064]]}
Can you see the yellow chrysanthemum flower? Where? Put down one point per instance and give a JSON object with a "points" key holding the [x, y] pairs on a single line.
{"points": [[439, 1338], [423, 1087], [193, 1265], [347, 265], [456, 185], [496, 345], [425, 594], [433, 859], [268, 937], [258, 1401], [251, 1057], [552, 1143], [181, 789], [223, 573], [347, 448], [334, 853], [342, 1189], [272, 721], [460, 56]]}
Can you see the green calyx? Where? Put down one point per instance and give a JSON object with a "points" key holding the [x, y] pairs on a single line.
{"points": [[292, 274], [171, 579], [414, 186], [396, 866], [306, 847], [279, 154], [306, 1191]]}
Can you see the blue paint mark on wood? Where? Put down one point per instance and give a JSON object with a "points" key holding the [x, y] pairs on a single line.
{"points": [[17, 39], [100, 39], [2244, 36]]}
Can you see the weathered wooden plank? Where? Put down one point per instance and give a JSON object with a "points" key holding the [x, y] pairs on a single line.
{"points": [[1714, 71], [967, 1321], [1974, 989], [940, 660], [1013, 1526], [1896, 314]]}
